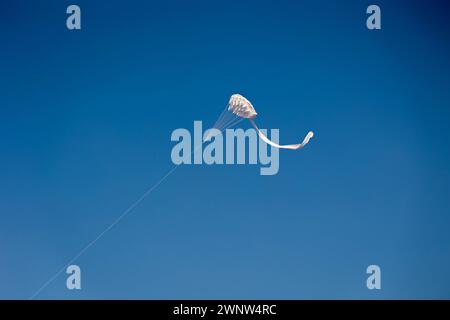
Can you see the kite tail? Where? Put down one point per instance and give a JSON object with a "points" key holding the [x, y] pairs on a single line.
{"points": [[288, 146]]}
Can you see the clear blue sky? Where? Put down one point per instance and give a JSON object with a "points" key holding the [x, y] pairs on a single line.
{"points": [[85, 124]]}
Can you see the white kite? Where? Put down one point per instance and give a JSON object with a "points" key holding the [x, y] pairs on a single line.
{"points": [[243, 108]]}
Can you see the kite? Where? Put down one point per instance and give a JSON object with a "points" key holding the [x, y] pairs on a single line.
{"points": [[240, 108]]}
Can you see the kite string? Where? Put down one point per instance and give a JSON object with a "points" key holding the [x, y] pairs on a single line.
{"points": [[235, 123], [115, 222], [224, 121], [232, 122], [222, 116], [228, 119]]}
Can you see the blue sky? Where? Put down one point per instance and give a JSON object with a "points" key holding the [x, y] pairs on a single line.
{"points": [[86, 118]]}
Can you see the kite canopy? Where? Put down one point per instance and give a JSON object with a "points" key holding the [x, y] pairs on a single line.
{"points": [[241, 107]]}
